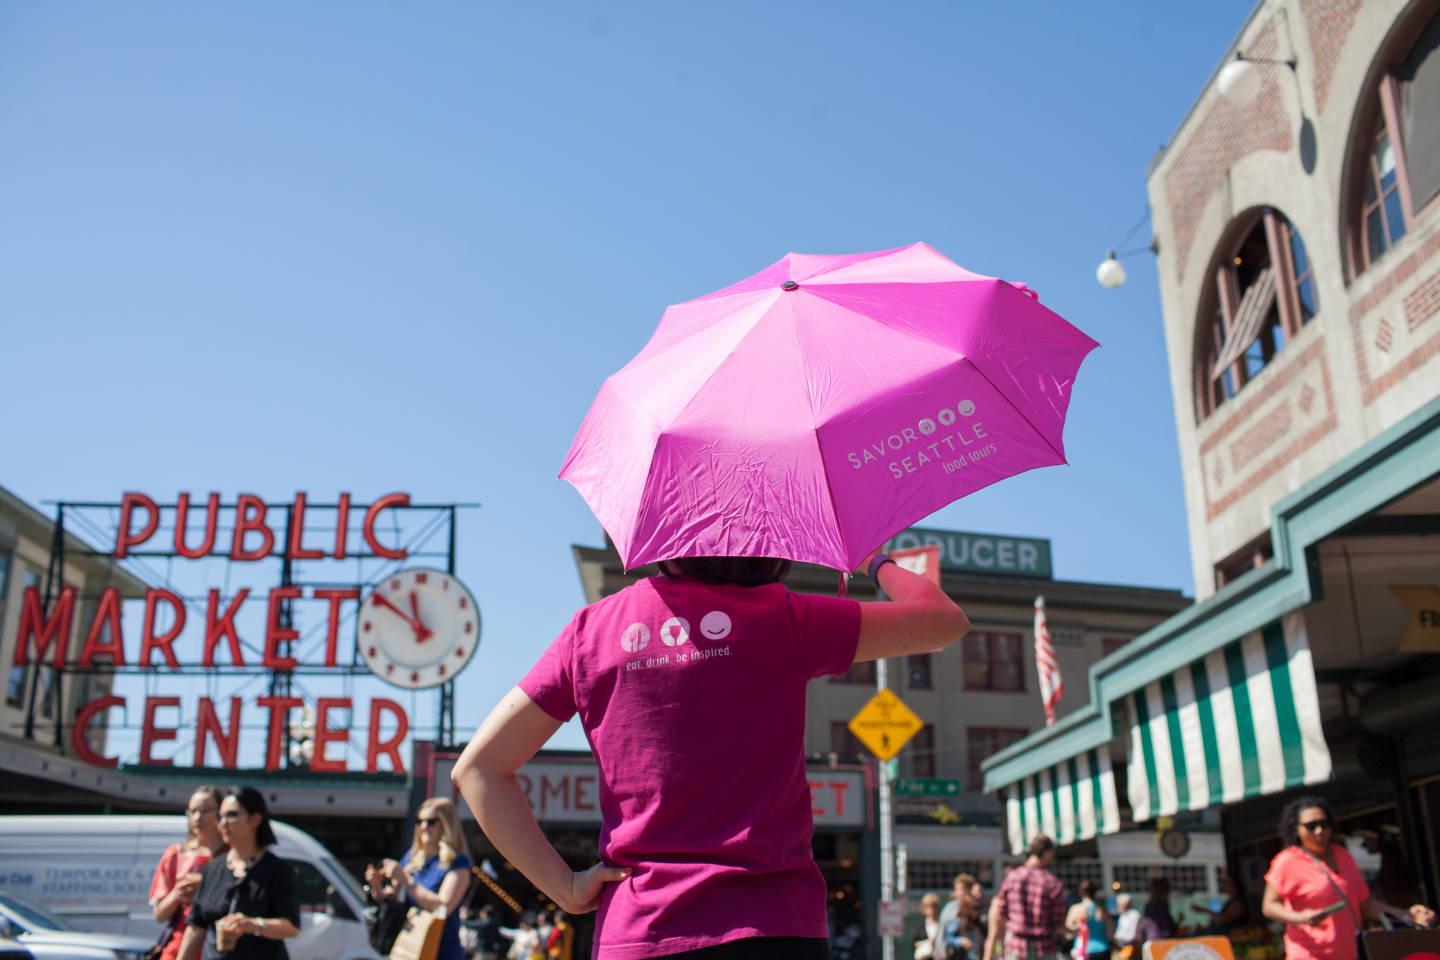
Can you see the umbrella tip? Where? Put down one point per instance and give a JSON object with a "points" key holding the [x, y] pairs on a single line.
{"points": [[789, 285]]}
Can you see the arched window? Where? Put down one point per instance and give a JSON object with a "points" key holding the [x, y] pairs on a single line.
{"points": [[1262, 292], [1396, 168]]}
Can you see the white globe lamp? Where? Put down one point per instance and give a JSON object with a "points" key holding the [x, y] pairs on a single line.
{"points": [[1239, 81], [1111, 272]]}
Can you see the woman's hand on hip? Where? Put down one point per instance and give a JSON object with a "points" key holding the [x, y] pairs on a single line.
{"points": [[586, 886]]}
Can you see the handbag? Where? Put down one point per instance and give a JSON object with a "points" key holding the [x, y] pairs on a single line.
{"points": [[419, 939], [389, 920], [163, 941]]}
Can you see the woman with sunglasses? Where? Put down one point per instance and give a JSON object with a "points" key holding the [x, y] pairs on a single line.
{"points": [[177, 875], [246, 905], [1315, 889], [435, 875]]}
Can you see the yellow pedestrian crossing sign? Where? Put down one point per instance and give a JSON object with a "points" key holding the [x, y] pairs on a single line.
{"points": [[885, 724]]}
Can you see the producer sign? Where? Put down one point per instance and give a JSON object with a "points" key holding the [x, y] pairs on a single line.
{"points": [[981, 553]]}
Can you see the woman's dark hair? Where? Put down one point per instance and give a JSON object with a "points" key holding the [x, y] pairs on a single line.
{"points": [[1087, 889], [741, 571], [252, 801], [1290, 818]]}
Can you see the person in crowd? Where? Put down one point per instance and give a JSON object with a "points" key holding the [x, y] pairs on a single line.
{"points": [[560, 944], [929, 931], [1315, 889], [700, 849], [246, 906], [524, 939], [436, 873], [1156, 921], [1029, 909], [1234, 915], [1422, 916], [1127, 926], [1090, 922], [959, 919], [489, 942], [177, 875]]}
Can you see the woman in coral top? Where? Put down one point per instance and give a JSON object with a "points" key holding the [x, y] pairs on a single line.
{"points": [[691, 689], [177, 875], [1314, 887]]}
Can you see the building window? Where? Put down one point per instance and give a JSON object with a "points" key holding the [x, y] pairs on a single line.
{"points": [[1262, 292], [983, 742], [1073, 872], [922, 752], [19, 679], [1396, 167], [994, 661], [1109, 645], [843, 743], [863, 673], [941, 874], [918, 666], [1242, 561]]}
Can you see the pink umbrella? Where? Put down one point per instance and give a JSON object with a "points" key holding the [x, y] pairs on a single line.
{"points": [[823, 405]]}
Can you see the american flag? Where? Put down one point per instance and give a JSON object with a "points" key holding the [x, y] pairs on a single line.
{"points": [[1052, 685]]}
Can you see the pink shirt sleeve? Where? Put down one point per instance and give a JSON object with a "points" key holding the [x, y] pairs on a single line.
{"points": [[164, 880], [827, 632], [551, 682]]}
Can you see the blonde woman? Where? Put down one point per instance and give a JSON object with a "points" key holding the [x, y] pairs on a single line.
{"points": [[436, 873], [177, 875]]}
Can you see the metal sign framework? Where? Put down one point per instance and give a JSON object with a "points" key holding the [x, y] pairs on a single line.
{"points": [[423, 531]]}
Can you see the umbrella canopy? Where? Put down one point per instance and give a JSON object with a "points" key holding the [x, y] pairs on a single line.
{"points": [[819, 407]]}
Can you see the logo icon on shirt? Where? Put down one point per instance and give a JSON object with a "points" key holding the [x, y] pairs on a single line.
{"points": [[675, 631], [715, 625], [635, 638]]}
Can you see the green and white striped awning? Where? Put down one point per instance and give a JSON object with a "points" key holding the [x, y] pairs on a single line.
{"points": [[1074, 800], [1241, 722]]}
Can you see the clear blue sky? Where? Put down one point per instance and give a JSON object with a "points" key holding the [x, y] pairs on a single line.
{"points": [[397, 246]]}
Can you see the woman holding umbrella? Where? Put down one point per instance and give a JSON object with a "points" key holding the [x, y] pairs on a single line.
{"points": [[808, 413]]}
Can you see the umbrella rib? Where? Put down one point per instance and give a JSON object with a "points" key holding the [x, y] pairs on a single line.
{"points": [[1023, 416]]}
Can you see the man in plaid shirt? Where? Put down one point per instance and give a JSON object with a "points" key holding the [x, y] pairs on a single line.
{"points": [[1029, 909]]}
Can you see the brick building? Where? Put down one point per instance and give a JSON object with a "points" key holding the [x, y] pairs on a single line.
{"points": [[1297, 225]]}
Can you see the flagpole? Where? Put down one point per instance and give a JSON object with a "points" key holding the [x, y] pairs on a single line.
{"points": [[887, 815]]}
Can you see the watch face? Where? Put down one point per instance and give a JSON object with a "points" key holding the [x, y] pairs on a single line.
{"points": [[418, 628]]}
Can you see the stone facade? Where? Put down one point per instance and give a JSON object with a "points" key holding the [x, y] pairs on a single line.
{"points": [[1371, 354]]}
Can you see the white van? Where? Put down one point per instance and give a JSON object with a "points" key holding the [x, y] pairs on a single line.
{"points": [[95, 871]]}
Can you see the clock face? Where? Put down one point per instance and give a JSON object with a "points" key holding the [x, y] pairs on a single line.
{"points": [[418, 628]]}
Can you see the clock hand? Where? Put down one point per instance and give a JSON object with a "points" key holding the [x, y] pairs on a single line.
{"points": [[422, 632], [415, 624]]}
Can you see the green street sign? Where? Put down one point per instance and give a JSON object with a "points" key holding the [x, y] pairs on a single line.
{"points": [[927, 787]]}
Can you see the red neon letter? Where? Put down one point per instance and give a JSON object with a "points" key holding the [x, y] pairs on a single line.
{"points": [[104, 638], [124, 539], [838, 788], [207, 725], [250, 517], [342, 526], [279, 708], [332, 619], [371, 515], [80, 729], [319, 763], [212, 517], [55, 630], [224, 626], [276, 634], [150, 733], [390, 747], [148, 641], [295, 549]]}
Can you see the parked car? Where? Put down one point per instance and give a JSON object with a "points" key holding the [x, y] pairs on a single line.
{"points": [[39, 930], [93, 873]]}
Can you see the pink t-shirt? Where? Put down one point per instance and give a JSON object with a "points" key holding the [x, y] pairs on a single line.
{"points": [[1304, 884], [693, 698]]}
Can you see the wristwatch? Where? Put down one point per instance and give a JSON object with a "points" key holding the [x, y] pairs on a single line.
{"points": [[259, 926]]}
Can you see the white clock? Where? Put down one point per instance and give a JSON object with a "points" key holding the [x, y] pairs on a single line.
{"points": [[418, 628]]}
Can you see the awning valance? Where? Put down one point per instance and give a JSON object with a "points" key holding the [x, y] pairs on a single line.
{"points": [[1072, 801], [1238, 723]]}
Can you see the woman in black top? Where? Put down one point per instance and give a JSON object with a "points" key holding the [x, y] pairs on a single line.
{"points": [[246, 906]]}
